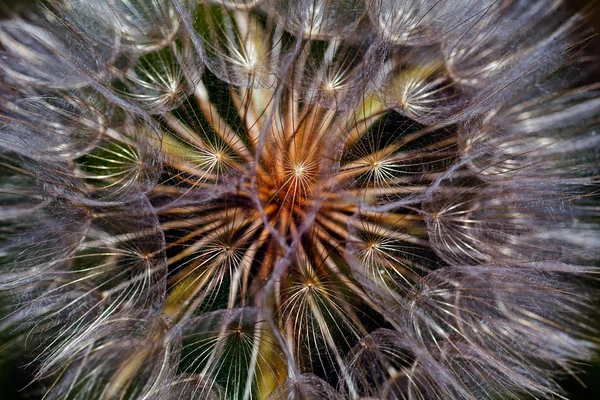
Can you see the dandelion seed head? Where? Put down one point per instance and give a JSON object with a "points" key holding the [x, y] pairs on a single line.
{"points": [[251, 199]]}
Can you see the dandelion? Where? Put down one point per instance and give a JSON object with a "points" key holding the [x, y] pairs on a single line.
{"points": [[249, 199]]}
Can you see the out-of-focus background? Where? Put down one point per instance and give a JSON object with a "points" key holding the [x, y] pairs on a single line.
{"points": [[15, 374], [586, 386]]}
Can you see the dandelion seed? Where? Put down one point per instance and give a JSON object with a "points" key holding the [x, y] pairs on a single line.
{"points": [[251, 199]]}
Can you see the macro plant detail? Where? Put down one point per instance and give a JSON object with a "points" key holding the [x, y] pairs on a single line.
{"points": [[313, 199]]}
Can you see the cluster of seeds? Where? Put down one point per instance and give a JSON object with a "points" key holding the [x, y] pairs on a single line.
{"points": [[309, 199]]}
